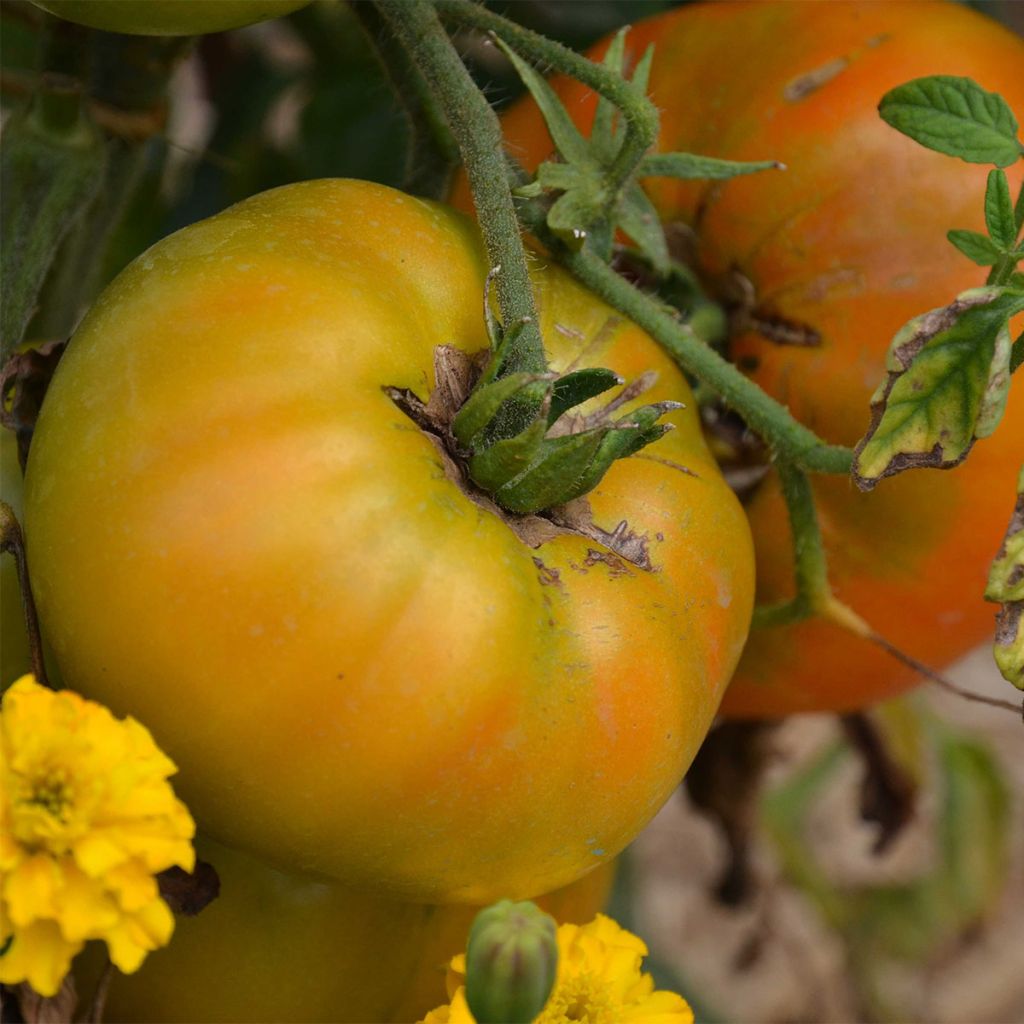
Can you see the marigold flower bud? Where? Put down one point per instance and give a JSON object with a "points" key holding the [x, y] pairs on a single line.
{"points": [[511, 962]]}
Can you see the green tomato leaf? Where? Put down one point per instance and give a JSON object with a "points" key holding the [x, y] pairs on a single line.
{"points": [[974, 829], [999, 218], [691, 166], [571, 145], [975, 246], [47, 182], [954, 116], [1018, 208], [1006, 588], [637, 217], [949, 375]]}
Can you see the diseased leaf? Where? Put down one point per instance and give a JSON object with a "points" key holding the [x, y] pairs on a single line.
{"points": [[955, 116], [999, 211], [949, 375], [976, 247], [1006, 588], [691, 166]]}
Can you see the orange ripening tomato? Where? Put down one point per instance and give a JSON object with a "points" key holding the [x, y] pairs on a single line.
{"points": [[278, 946], [840, 250], [361, 670]]}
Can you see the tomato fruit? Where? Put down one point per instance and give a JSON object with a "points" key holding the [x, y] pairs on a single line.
{"points": [[168, 17], [278, 946], [840, 249], [236, 535]]}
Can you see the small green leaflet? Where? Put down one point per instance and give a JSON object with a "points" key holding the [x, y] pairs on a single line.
{"points": [[690, 166], [1006, 588], [976, 247], [955, 116], [587, 212], [999, 211], [948, 379]]}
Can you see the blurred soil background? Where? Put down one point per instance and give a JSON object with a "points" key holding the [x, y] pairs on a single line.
{"points": [[930, 930]]}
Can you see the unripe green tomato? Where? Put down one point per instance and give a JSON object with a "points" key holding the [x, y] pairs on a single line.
{"points": [[277, 946], [168, 17]]}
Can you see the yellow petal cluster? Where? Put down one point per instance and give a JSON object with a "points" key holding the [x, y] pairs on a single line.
{"points": [[599, 981], [87, 818]]}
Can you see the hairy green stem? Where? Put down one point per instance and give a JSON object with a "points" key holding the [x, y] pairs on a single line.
{"points": [[478, 133], [789, 439], [810, 564], [640, 114], [12, 542]]}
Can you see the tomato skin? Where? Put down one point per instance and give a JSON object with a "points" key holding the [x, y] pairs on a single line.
{"points": [[236, 536], [849, 241], [168, 17], [278, 946]]}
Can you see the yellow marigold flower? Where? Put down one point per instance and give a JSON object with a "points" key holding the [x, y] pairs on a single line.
{"points": [[87, 818], [599, 981]]}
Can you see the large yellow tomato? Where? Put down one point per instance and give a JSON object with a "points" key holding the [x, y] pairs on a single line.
{"points": [[830, 258], [278, 946], [237, 536]]}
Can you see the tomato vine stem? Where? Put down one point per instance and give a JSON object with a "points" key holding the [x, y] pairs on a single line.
{"points": [[639, 113], [478, 134], [788, 438], [12, 542]]}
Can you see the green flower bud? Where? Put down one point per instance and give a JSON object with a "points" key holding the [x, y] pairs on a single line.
{"points": [[511, 959]]}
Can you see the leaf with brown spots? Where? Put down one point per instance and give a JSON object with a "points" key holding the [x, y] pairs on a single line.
{"points": [[948, 379], [1006, 587]]}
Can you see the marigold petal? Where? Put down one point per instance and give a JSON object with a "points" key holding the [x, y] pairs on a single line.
{"points": [[660, 1008], [87, 910], [97, 852], [30, 890], [40, 955], [133, 885], [138, 934]]}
